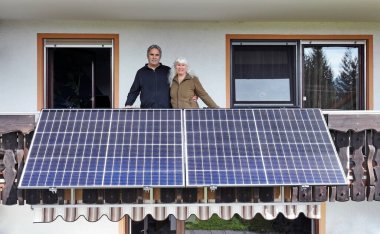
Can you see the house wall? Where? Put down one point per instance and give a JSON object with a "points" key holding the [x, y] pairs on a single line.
{"points": [[19, 219], [352, 217], [203, 43]]}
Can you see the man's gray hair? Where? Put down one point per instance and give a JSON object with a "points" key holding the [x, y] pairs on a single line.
{"points": [[153, 47]]}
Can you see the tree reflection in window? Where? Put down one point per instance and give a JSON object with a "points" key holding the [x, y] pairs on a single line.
{"points": [[332, 77]]}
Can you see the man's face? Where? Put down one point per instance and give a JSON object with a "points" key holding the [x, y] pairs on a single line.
{"points": [[154, 57]]}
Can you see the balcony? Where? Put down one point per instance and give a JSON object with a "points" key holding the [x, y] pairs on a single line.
{"points": [[354, 133]]}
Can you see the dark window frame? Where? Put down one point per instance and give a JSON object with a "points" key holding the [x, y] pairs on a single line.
{"points": [[293, 86], [368, 95]]}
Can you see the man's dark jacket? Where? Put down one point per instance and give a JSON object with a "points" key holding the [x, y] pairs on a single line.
{"points": [[153, 87]]}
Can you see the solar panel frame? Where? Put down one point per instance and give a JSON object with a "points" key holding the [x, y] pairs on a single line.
{"points": [[236, 142], [332, 173], [108, 171]]}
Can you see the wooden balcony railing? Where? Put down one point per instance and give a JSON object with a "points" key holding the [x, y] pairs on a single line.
{"points": [[356, 136]]}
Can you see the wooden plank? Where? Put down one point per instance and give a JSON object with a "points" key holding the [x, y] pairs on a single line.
{"points": [[189, 195], [320, 193], [49, 197], [20, 163], [244, 194], [112, 196], [167, 195], [124, 225], [200, 195], [32, 196], [287, 194], [90, 196], [342, 142], [266, 194], [376, 168], [129, 195], [355, 122], [321, 223], [9, 194], [157, 195], [14, 123], [305, 194], [332, 193], [180, 226], [28, 140], [211, 195], [225, 195], [370, 164], [9, 141], [358, 186]]}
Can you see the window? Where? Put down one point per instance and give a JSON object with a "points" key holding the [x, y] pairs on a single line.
{"points": [[327, 72], [333, 75], [77, 70], [264, 73]]}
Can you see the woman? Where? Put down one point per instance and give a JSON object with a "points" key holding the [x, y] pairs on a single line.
{"points": [[185, 86]]}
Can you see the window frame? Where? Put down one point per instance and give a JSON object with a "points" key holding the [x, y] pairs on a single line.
{"points": [[41, 84], [294, 85], [368, 70]]}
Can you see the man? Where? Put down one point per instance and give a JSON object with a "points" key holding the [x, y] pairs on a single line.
{"points": [[151, 82]]}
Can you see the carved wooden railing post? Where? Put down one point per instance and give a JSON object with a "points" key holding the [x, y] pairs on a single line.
{"points": [[20, 154], [9, 176], [342, 142], [370, 172], [376, 165], [358, 186]]}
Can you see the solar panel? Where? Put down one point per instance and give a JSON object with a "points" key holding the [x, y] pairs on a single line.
{"points": [[231, 147], [105, 148]]}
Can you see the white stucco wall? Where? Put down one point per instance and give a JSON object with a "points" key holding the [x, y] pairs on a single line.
{"points": [[203, 43], [352, 217]]}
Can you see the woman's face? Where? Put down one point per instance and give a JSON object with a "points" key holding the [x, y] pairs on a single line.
{"points": [[181, 68]]}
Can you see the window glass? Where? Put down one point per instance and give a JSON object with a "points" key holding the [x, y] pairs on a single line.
{"points": [[262, 90], [309, 74], [333, 76]]}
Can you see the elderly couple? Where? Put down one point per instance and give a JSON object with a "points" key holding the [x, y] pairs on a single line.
{"points": [[162, 87]]}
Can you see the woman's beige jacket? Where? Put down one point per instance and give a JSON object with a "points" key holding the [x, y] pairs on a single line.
{"points": [[182, 94]]}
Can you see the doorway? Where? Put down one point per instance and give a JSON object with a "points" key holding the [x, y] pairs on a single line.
{"points": [[79, 77], [77, 70]]}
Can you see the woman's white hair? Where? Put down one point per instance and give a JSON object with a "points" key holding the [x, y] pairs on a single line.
{"points": [[173, 71]]}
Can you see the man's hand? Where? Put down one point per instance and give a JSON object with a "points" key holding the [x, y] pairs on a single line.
{"points": [[195, 98]]}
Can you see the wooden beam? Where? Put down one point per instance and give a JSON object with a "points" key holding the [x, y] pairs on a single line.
{"points": [[320, 224], [180, 227], [228, 71], [13, 123], [369, 73], [124, 225], [357, 122]]}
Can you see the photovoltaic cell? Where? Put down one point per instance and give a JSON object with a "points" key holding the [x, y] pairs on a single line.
{"points": [[231, 147], [106, 148]]}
